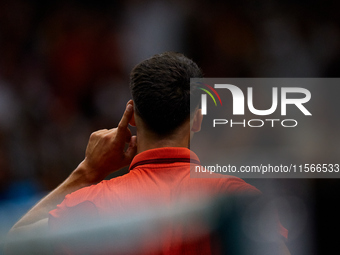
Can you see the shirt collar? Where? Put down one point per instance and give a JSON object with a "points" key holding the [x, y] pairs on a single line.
{"points": [[164, 155]]}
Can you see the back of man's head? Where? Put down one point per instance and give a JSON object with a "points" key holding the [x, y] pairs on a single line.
{"points": [[160, 88]]}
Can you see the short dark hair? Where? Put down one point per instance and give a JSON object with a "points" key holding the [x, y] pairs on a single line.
{"points": [[160, 88]]}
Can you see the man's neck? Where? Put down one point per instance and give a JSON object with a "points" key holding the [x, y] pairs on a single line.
{"points": [[143, 145], [148, 141]]}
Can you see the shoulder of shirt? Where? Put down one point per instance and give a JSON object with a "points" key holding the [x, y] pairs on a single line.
{"points": [[89, 193], [95, 191]]}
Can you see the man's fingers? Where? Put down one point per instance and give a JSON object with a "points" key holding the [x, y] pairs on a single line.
{"points": [[99, 132], [124, 122], [131, 150], [123, 133], [128, 135], [119, 139]]}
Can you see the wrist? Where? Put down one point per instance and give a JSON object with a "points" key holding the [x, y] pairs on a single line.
{"points": [[84, 175]]}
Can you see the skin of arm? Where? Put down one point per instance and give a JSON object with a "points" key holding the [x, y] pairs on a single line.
{"points": [[104, 154]]}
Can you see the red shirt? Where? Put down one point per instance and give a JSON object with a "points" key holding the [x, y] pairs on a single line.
{"points": [[157, 178]]}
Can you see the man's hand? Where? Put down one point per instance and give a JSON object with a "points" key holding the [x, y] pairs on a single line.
{"points": [[104, 154], [105, 150]]}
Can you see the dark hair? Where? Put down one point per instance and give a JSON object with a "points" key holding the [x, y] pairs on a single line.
{"points": [[160, 88]]}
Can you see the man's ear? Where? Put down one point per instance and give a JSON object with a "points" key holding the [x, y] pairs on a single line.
{"points": [[197, 122], [132, 120]]}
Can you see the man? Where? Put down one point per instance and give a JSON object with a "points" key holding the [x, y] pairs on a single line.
{"points": [[159, 172]]}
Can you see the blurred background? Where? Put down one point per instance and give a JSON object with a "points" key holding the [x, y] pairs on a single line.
{"points": [[64, 73]]}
